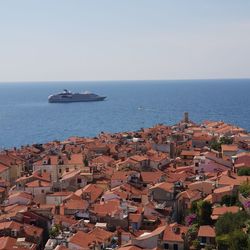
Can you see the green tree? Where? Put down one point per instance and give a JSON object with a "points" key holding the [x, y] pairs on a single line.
{"points": [[244, 171], [228, 200], [204, 212], [216, 144], [245, 188], [226, 140], [196, 244], [239, 240], [86, 162], [54, 231], [230, 222], [223, 241], [194, 207], [192, 232]]}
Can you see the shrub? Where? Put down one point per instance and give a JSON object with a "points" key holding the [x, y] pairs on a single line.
{"points": [[245, 189], [244, 171], [190, 219], [204, 212], [230, 222], [229, 200]]}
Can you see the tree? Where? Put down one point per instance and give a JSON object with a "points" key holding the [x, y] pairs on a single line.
{"points": [[226, 140], [196, 244], [54, 231], [86, 162], [228, 200], [194, 207], [192, 232], [238, 240], [204, 212], [245, 189], [244, 171], [229, 231], [223, 242], [216, 145], [230, 222]]}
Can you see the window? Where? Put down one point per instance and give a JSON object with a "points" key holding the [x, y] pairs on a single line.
{"points": [[42, 191], [67, 169], [203, 239], [60, 170], [166, 246], [79, 180], [175, 247]]}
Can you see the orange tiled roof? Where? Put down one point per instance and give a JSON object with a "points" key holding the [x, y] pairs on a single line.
{"points": [[226, 147], [206, 231], [218, 211], [170, 234], [76, 204], [94, 191], [151, 177], [164, 185], [38, 183]]}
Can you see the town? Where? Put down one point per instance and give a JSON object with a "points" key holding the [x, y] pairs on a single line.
{"points": [[182, 186]]}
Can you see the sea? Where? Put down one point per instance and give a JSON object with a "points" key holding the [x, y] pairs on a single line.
{"points": [[26, 117]]}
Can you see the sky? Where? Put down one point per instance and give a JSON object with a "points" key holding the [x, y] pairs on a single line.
{"points": [[78, 40]]}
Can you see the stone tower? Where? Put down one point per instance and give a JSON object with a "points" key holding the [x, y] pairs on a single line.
{"points": [[186, 119]]}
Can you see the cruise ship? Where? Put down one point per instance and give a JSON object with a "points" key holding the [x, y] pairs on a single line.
{"points": [[67, 96]]}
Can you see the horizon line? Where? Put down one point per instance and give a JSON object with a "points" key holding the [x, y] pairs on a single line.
{"points": [[128, 80]]}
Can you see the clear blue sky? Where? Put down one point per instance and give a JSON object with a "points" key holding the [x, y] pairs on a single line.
{"points": [[67, 40]]}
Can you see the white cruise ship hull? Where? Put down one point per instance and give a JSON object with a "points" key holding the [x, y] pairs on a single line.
{"points": [[75, 98]]}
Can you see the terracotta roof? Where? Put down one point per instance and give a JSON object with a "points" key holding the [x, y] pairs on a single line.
{"points": [[71, 174], [226, 147], [206, 231], [189, 153], [236, 180], [135, 218], [94, 191], [107, 208], [22, 195], [76, 159], [139, 158], [76, 204], [29, 229], [223, 189], [129, 248], [65, 193], [168, 187], [7, 243], [3, 168], [84, 240], [173, 232], [103, 159], [38, 183], [151, 177], [218, 211], [147, 235], [120, 175]]}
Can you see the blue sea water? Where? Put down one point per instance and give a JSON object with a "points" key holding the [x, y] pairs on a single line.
{"points": [[26, 117]]}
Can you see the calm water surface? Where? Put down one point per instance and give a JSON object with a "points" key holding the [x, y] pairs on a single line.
{"points": [[26, 116]]}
